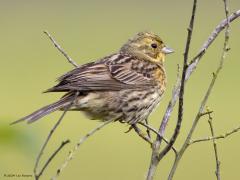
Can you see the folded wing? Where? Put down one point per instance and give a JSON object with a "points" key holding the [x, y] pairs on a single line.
{"points": [[102, 75]]}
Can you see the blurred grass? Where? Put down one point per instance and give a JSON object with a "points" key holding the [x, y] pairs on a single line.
{"points": [[88, 30]]}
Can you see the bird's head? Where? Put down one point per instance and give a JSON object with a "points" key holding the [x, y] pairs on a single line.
{"points": [[147, 46]]}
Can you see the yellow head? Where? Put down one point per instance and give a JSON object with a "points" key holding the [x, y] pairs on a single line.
{"points": [[147, 46]]}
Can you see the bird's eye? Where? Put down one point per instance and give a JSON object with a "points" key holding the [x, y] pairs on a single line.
{"points": [[154, 45]]}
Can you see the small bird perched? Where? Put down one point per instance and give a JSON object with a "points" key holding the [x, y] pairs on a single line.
{"points": [[125, 86]]}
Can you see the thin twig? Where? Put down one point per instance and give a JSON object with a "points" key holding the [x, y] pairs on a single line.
{"points": [[206, 113], [52, 156], [170, 107], [217, 172], [223, 136], [37, 175], [70, 60], [80, 142]]}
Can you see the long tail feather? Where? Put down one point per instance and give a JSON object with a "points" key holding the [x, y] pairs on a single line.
{"points": [[64, 102]]}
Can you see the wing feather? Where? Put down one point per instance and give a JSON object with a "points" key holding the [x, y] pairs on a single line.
{"points": [[102, 75]]}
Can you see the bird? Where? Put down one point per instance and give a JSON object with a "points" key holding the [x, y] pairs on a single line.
{"points": [[125, 86]]}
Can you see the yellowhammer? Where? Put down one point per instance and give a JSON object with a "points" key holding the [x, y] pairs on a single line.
{"points": [[125, 86]]}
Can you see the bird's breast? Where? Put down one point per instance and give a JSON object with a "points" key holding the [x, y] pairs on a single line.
{"points": [[160, 78]]}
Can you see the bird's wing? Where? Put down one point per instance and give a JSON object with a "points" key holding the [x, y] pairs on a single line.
{"points": [[126, 75], [102, 76]]}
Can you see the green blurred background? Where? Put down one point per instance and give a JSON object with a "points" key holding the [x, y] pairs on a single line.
{"points": [[92, 29]]}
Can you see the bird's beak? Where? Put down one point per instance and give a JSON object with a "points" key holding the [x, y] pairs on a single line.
{"points": [[167, 50]]}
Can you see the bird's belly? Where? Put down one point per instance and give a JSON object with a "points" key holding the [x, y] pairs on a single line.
{"points": [[140, 105], [100, 105], [126, 105]]}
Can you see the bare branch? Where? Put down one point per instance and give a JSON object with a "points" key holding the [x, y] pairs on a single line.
{"points": [[223, 136], [70, 60], [73, 151]]}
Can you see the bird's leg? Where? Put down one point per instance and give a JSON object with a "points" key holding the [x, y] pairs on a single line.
{"points": [[130, 128], [156, 132], [142, 134], [148, 131]]}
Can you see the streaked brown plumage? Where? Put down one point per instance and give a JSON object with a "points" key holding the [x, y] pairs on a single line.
{"points": [[125, 86]]}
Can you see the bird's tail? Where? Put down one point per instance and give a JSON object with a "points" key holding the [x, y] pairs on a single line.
{"points": [[61, 104]]}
